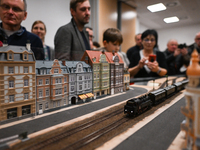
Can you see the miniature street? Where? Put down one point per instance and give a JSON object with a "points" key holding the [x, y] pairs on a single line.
{"points": [[39, 123]]}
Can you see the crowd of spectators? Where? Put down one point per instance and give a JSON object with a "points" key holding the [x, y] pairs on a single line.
{"points": [[71, 40]]}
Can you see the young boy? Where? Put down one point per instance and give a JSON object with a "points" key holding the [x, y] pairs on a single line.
{"points": [[112, 39]]}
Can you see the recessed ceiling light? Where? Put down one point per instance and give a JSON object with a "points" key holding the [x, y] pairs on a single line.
{"points": [[171, 19], [156, 7]]}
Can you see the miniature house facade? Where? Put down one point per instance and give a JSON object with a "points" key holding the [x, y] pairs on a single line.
{"points": [[191, 126], [80, 81], [51, 85], [116, 72], [101, 71], [17, 82]]}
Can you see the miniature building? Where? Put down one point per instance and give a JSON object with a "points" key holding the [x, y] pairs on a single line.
{"points": [[116, 72], [101, 69], [108, 72], [80, 81], [191, 126], [51, 85], [17, 82], [60, 83]]}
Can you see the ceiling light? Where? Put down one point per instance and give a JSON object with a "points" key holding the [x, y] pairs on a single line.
{"points": [[156, 7], [171, 19]]}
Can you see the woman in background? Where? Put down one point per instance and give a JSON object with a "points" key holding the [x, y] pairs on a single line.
{"points": [[39, 29], [140, 66]]}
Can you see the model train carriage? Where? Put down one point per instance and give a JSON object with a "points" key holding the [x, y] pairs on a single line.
{"points": [[157, 96], [170, 90], [184, 83], [137, 106], [178, 86]]}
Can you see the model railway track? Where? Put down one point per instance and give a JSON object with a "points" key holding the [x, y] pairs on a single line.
{"points": [[95, 135], [54, 139]]}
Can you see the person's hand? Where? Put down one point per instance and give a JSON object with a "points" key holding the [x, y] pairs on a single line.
{"points": [[142, 62], [153, 66], [176, 52], [184, 51]]}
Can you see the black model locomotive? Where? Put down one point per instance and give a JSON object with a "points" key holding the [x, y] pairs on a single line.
{"points": [[137, 106]]}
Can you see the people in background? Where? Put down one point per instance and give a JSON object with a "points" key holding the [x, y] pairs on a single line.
{"points": [[96, 45], [39, 28], [172, 54], [144, 63], [135, 48], [196, 44], [184, 59], [72, 40], [12, 13], [91, 36], [112, 39]]}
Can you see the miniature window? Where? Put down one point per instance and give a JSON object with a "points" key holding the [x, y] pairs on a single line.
{"points": [[56, 80], [11, 84], [25, 69], [40, 82], [54, 104], [72, 88], [58, 103], [97, 76], [85, 85], [26, 96], [55, 70], [47, 92], [190, 103], [25, 56], [98, 68], [65, 79], [47, 81], [10, 56], [46, 105], [11, 70], [60, 80], [40, 93], [80, 87], [80, 77], [26, 82], [65, 101], [88, 84], [11, 98], [65, 89]]}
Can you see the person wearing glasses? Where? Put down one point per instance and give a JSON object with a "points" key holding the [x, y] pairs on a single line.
{"points": [[12, 13], [72, 40], [39, 28], [147, 62]]}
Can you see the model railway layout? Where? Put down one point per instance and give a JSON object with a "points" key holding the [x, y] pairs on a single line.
{"points": [[94, 130]]}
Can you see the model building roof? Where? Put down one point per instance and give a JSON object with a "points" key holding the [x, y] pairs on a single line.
{"points": [[94, 56], [111, 56], [17, 51], [72, 66]]}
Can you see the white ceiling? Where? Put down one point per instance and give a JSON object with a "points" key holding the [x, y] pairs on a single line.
{"points": [[188, 11]]}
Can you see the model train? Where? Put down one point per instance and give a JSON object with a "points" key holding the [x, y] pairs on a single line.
{"points": [[137, 106]]}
